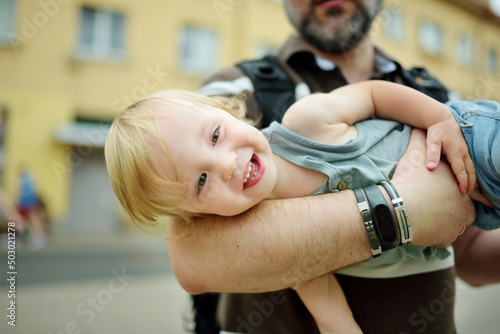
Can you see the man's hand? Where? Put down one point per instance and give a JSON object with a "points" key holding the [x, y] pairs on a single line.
{"points": [[477, 254], [437, 209]]}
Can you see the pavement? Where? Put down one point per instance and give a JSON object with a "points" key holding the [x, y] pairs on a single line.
{"points": [[94, 283], [122, 283]]}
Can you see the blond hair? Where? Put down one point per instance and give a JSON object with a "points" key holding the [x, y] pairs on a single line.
{"points": [[131, 153]]}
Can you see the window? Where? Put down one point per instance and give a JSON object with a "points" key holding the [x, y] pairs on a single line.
{"points": [[102, 34], [394, 27], [198, 50], [431, 38], [465, 51], [491, 61], [7, 20]]}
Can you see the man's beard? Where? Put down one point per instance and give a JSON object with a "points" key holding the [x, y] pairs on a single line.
{"points": [[335, 36]]}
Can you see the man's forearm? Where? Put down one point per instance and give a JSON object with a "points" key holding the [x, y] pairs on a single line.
{"points": [[273, 246]]}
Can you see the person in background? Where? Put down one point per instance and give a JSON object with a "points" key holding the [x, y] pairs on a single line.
{"points": [[33, 211]]}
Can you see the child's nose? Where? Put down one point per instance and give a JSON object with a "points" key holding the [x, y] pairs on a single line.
{"points": [[228, 168]]}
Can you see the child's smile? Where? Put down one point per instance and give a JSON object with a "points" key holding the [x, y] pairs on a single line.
{"points": [[255, 171]]}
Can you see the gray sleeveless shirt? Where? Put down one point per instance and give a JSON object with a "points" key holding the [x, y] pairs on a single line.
{"points": [[366, 160]]}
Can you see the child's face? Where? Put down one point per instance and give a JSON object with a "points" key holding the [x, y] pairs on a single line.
{"points": [[227, 164]]}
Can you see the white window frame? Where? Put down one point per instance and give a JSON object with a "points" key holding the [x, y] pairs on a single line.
{"points": [[101, 32], [431, 38], [7, 21], [394, 28], [466, 50], [198, 50], [491, 61]]}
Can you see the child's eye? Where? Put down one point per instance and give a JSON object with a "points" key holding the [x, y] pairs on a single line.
{"points": [[202, 180], [215, 136]]}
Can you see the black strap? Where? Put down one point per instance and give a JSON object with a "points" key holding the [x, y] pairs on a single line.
{"points": [[274, 90], [419, 79], [382, 218], [205, 313]]}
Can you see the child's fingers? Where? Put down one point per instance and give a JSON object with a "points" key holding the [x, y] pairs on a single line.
{"points": [[433, 153]]}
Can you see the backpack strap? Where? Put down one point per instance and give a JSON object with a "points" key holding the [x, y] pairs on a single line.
{"points": [[274, 91], [419, 79]]}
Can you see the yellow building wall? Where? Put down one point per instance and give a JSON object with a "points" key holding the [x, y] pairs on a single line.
{"points": [[470, 82]]}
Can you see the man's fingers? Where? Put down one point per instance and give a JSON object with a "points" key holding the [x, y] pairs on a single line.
{"points": [[417, 139], [478, 195], [458, 167], [471, 172]]}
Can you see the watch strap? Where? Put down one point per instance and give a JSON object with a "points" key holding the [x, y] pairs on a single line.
{"points": [[382, 218], [364, 209], [401, 212]]}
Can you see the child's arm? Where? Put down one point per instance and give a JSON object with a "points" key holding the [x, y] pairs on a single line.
{"points": [[356, 102], [326, 302]]}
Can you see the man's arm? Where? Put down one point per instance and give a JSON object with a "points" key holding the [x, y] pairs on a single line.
{"points": [[275, 245], [477, 255], [280, 243]]}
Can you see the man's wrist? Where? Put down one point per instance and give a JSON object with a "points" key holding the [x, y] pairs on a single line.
{"points": [[364, 209], [384, 216]]}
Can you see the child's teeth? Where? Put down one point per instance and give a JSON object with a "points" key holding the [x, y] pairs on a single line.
{"points": [[250, 166]]}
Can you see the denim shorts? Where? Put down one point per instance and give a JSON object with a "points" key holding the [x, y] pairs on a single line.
{"points": [[480, 124]]}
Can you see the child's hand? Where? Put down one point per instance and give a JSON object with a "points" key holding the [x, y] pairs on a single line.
{"points": [[446, 136]]}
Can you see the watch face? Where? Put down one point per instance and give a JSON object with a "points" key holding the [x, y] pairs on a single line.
{"points": [[387, 229]]}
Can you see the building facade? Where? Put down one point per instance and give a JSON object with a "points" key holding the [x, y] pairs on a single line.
{"points": [[456, 40]]}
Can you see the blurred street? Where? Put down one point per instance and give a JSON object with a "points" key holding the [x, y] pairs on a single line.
{"points": [[122, 284], [95, 284]]}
